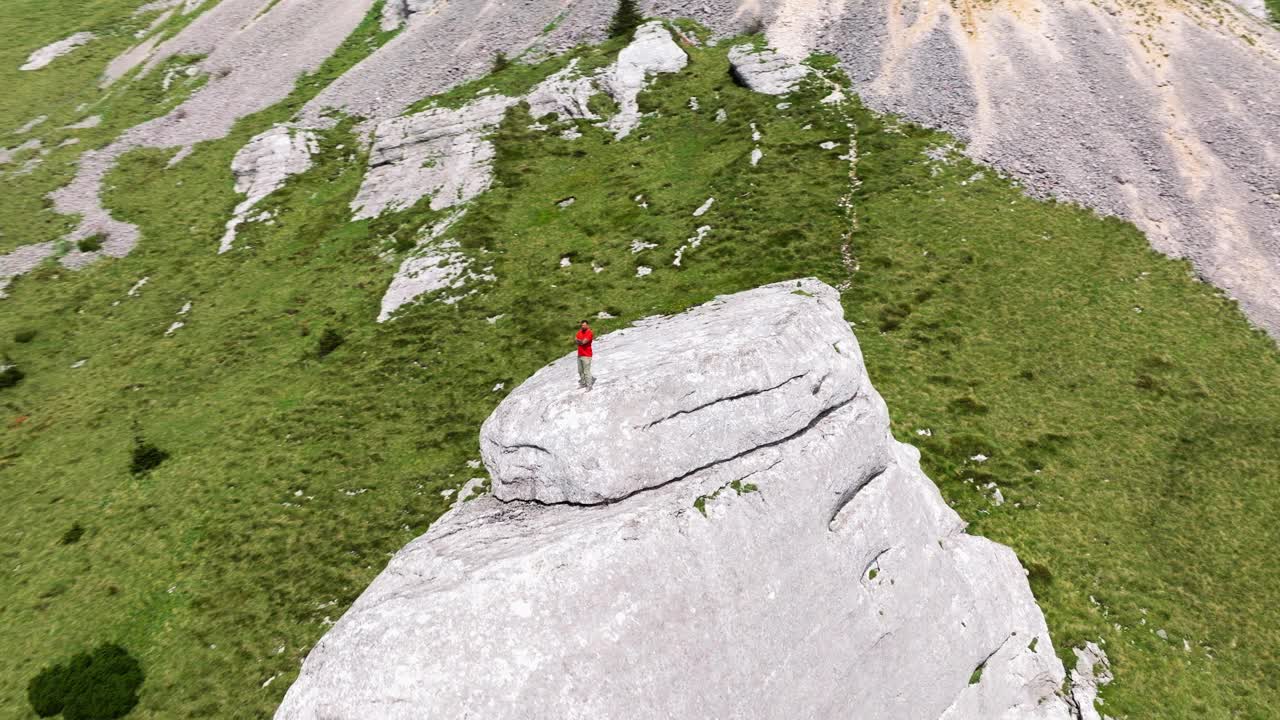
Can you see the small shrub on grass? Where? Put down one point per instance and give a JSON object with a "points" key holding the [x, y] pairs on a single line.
{"points": [[146, 456], [10, 375], [101, 685], [24, 336], [330, 340], [92, 243], [500, 62], [72, 535]]}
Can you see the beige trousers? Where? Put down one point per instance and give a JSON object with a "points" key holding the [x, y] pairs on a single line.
{"points": [[584, 372]]}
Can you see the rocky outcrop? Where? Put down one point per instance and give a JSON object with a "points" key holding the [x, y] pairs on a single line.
{"points": [[652, 51], [566, 93], [435, 264], [764, 70], [1091, 672], [445, 153], [47, 54], [262, 166], [722, 527]]}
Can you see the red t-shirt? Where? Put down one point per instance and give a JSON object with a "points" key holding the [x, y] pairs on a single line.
{"points": [[584, 350]]}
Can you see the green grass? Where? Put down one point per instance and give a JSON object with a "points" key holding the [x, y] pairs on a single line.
{"points": [[1136, 451]]}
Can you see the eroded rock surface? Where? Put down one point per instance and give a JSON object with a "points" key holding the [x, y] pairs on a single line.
{"points": [[445, 153], [262, 166], [769, 553], [670, 399], [440, 152], [765, 71]]}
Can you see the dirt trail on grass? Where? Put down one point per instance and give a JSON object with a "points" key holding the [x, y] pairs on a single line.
{"points": [[1167, 115]]}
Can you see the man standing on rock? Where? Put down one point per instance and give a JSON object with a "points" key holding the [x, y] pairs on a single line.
{"points": [[583, 339]]}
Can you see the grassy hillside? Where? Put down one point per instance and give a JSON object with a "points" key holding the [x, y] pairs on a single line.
{"points": [[1125, 409]]}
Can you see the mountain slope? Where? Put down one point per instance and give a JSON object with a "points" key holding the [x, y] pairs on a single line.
{"points": [[1123, 409]]}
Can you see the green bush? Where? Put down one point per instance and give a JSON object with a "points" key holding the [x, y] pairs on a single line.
{"points": [[330, 340], [146, 457], [10, 375], [24, 336], [72, 535], [100, 685], [89, 244]]}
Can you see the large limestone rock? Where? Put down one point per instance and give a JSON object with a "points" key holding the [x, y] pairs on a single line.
{"points": [[784, 558], [652, 51], [764, 70], [675, 395], [262, 166], [441, 152]]}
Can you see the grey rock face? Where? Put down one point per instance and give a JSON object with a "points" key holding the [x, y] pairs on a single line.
{"points": [[565, 93], [765, 71], [651, 51], [673, 395], [441, 152], [1092, 671], [799, 564], [263, 165]]}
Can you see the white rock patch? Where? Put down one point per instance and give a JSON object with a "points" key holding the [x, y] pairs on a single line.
{"points": [[565, 93], [434, 265], [30, 124], [47, 54], [262, 166], [690, 244], [7, 154], [92, 121], [440, 152], [704, 207], [651, 52], [1091, 672], [765, 71], [22, 260]]}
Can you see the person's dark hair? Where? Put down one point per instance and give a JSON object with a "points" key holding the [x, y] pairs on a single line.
{"points": [[582, 322]]}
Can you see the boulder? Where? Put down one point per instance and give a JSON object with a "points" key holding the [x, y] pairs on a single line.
{"points": [[764, 70], [777, 554], [674, 396]]}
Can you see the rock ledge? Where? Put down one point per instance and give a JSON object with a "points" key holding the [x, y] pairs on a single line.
{"points": [[753, 543]]}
